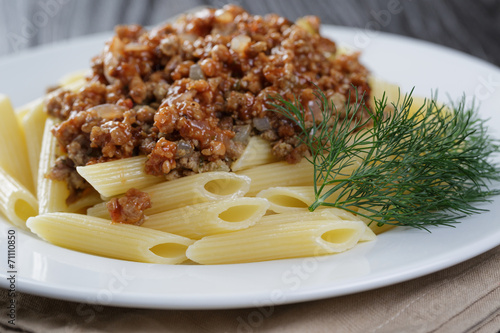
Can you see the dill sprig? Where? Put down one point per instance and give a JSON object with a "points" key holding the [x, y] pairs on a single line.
{"points": [[408, 167]]}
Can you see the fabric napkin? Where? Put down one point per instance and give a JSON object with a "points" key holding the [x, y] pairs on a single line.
{"points": [[463, 298]]}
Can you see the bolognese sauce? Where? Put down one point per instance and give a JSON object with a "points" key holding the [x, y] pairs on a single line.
{"points": [[189, 94]]}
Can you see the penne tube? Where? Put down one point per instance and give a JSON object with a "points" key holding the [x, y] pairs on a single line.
{"points": [[16, 202], [257, 152], [277, 240], [82, 204], [299, 198], [209, 218], [51, 194], [100, 237], [285, 174], [278, 174], [116, 177], [34, 119], [283, 199], [23, 110], [13, 151], [34, 124], [189, 190], [306, 215], [328, 213]]}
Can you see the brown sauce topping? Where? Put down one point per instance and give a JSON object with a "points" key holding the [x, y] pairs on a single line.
{"points": [[130, 207], [189, 94]]}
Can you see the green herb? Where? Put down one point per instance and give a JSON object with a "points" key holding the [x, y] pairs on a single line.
{"points": [[411, 168]]}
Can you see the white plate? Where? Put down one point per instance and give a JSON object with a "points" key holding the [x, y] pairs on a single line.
{"points": [[396, 256]]}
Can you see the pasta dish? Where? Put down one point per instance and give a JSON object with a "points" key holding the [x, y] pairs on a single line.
{"points": [[197, 141]]}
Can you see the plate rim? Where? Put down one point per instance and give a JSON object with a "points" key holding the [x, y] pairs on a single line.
{"points": [[135, 300]]}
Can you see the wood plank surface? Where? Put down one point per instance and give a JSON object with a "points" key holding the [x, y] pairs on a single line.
{"points": [[469, 26]]}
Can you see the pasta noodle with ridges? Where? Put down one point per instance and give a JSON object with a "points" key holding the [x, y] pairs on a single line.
{"points": [[209, 218], [203, 187], [13, 151], [285, 198], [23, 110], [114, 240], [284, 174], [277, 240], [51, 194], [34, 124], [329, 214], [116, 177], [16, 202], [33, 120]]}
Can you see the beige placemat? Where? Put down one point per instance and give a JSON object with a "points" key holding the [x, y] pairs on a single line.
{"points": [[463, 298]]}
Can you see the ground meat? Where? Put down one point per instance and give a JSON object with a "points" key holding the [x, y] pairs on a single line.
{"points": [[129, 208], [162, 158], [181, 92], [64, 170], [60, 104]]}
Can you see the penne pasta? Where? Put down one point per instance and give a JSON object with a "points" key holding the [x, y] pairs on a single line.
{"points": [[82, 204], [116, 177], [298, 198], [34, 124], [330, 214], [277, 240], [32, 117], [203, 187], [23, 110], [284, 174], [257, 152], [209, 218], [100, 237], [278, 174], [306, 215], [285, 198], [16, 202], [13, 152], [51, 194]]}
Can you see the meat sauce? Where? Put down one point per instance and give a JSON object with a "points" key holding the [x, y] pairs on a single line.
{"points": [[189, 94], [130, 207]]}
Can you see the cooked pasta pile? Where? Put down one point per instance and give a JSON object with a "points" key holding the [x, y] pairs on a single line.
{"points": [[190, 94], [168, 152]]}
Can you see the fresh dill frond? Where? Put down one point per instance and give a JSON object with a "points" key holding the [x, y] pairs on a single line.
{"points": [[405, 167]]}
